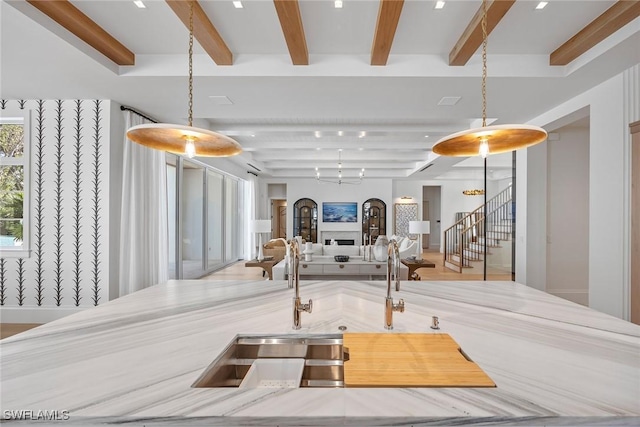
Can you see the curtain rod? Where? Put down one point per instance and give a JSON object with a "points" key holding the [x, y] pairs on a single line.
{"points": [[125, 108]]}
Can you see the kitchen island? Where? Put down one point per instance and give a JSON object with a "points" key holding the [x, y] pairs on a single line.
{"points": [[133, 360]]}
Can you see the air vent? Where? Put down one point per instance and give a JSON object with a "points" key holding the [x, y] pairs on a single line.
{"points": [[449, 101], [259, 170], [426, 167]]}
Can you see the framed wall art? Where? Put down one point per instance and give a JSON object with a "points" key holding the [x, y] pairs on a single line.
{"points": [[402, 214]]}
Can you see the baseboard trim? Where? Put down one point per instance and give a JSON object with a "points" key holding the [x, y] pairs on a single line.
{"points": [[35, 314]]}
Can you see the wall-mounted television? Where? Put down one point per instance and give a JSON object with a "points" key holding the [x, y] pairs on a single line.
{"points": [[339, 212]]}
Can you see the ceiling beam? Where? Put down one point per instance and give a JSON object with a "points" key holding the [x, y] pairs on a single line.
{"points": [[614, 18], [291, 23], [203, 30], [83, 27], [386, 25], [471, 38]]}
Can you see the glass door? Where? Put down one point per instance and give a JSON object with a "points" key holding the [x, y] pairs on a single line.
{"points": [[215, 219], [192, 213]]}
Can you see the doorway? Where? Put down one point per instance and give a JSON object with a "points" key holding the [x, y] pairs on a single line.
{"points": [[431, 202], [279, 218]]}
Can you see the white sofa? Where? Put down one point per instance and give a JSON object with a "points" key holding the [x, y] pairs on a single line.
{"points": [[406, 246]]}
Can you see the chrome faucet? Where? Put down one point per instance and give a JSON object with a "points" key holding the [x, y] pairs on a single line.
{"points": [[393, 260], [294, 282]]}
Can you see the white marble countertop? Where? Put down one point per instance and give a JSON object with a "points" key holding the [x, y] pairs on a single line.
{"points": [[133, 360]]}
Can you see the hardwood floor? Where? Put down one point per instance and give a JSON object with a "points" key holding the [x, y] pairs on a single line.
{"points": [[238, 271], [8, 329]]}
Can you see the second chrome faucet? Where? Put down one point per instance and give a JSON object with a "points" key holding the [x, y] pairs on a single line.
{"points": [[393, 263], [294, 282]]}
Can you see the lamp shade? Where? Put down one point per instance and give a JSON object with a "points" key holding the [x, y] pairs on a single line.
{"points": [[260, 226], [419, 227]]}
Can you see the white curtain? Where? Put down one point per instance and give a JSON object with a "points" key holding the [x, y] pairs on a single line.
{"points": [[251, 197], [144, 258]]}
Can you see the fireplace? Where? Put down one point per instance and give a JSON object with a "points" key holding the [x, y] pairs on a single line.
{"points": [[348, 237], [340, 242]]}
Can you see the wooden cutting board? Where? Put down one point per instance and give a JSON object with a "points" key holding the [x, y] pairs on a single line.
{"points": [[409, 360]]}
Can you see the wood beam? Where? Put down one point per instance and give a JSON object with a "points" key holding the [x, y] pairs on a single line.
{"points": [[471, 38], [83, 27], [614, 18], [291, 23], [203, 31], [386, 25]]}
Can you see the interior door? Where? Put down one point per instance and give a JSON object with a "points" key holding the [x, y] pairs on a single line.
{"points": [[425, 217], [279, 218]]}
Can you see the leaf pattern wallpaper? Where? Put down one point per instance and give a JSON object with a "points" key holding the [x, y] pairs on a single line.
{"points": [[69, 195]]}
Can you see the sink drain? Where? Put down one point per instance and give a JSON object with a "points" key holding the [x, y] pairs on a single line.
{"points": [[342, 328]]}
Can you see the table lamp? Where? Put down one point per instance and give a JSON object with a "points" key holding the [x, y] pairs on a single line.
{"points": [[419, 228], [260, 226]]}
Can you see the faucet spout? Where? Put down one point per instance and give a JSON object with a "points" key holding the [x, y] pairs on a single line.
{"points": [[393, 261], [294, 282]]}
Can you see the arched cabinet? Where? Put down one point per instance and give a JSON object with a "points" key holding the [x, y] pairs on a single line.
{"points": [[305, 220], [374, 218]]}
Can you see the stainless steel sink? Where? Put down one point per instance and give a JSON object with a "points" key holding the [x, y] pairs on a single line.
{"points": [[324, 359]]}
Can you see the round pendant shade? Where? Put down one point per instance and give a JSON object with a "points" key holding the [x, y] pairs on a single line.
{"points": [[172, 138], [501, 139]]}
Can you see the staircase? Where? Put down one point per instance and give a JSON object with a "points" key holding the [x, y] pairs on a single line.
{"points": [[464, 240]]}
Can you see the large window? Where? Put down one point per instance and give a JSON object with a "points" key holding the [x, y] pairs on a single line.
{"points": [[14, 186], [205, 216]]}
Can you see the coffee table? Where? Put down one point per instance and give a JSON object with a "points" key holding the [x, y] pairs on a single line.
{"points": [[323, 266], [265, 265], [416, 264]]}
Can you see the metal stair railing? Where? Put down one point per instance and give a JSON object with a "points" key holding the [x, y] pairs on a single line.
{"points": [[470, 229]]}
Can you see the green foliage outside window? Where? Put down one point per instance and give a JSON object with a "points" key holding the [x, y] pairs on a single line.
{"points": [[11, 181]]}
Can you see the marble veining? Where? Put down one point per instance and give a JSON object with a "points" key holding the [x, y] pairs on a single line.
{"points": [[133, 360]]}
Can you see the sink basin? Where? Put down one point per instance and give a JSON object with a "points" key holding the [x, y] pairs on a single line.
{"points": [[323, 359]]}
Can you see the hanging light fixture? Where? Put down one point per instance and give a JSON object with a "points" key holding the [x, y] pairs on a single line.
{"points": [[488, 139], [340, 180], [180, 139]]}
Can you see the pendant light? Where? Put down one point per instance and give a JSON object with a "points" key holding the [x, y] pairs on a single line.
{"points": [[180, 139], [488, 139]]}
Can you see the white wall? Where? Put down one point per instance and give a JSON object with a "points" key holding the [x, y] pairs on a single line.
{"points": [[611, 110], [326, 192], [568, 215]]}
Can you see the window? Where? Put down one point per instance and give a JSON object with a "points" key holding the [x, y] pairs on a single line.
{"points": [[14, 186]]}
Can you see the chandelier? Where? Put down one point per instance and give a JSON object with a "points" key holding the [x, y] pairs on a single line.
{"points": [[488, 139], [340, 179], [187, 140], [475, 192]]}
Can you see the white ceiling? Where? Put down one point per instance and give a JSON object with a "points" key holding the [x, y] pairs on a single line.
{"points": [[278, 109]]}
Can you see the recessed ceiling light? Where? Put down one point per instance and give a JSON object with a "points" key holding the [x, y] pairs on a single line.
{"points": [[253, 135], [237, 4], [439, 4], [541, 5], [139, 4], [340, 133], [362, 134], [426, 136], [337, 4], [360, 149], [318, 149], [317, 134]]}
